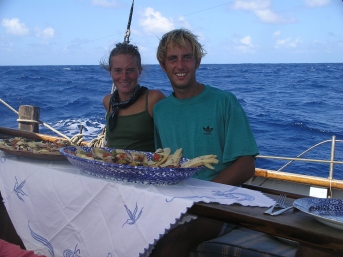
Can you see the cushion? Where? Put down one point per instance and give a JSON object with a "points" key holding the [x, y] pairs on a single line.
{"points": [[245, 242]]}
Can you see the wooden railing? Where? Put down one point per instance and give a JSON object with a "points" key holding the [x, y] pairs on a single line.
{"points": [[304, 179], [299, 178]]}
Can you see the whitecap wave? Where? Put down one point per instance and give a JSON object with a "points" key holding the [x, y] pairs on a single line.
{"points": [[91, 128]]}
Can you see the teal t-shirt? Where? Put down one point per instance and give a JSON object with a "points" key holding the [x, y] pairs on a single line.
{"points": [[212, 122]]}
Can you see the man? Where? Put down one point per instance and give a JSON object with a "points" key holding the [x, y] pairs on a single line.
{"points": [[201, 120]]}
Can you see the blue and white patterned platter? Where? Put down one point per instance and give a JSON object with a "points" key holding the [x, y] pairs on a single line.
{"points": [[128, 173], [326, 210]]}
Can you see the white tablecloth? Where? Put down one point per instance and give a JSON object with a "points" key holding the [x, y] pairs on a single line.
{"points": [[59, 211]]}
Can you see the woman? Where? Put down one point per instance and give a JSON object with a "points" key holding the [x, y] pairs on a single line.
{"points": [[129, 118]]}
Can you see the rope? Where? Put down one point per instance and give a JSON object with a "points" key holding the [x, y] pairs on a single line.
{"points": [[113, 88], [30, 121], [77, 139], [34, 121], [8, 106], [46, 125], [100, 141]]}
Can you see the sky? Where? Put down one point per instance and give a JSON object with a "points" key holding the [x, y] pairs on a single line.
{"points": [[83, 32]]}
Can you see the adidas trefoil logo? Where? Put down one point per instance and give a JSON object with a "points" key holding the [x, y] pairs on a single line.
{"points": [[208, 130]]}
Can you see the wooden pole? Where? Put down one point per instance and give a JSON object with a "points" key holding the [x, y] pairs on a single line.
{"points": [[28, 118]]}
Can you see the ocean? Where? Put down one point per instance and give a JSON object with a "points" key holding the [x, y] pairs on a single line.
{"points": [[291, 107]]}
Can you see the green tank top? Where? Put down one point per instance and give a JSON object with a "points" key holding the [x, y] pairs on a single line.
{"points": [[132, 132]]}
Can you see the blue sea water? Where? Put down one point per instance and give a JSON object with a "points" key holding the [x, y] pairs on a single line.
{"points": [[291, 107]]}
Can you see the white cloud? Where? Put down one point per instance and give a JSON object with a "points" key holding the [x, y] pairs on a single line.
{"points": [[277, 33], [240, 45], [245, 45], [316, 3], [15, 27], [45, 33], [281, 42], [247, 41], [105, 3], [182, 23], [287, 42], [153, 22], [262, 9], [268, 16], [251, 5], [295, 43]]}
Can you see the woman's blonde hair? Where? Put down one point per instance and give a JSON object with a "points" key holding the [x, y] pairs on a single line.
{"points": [[178, 38]]}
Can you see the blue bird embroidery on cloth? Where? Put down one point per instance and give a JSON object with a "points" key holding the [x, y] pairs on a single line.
{"points": [[18, 189], [236, 196], [217, 194], [42, 240], [132, 216], [2, 159], [70, 253]]}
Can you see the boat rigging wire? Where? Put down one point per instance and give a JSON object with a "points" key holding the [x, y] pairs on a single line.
{"points": [[78, 138], [139, 27], [127, 33], [126, 37], [100, 140], [331, 162]]}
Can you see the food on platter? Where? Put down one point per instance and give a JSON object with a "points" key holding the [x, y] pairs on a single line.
{"points": [[122, 157], [205, 160], [85, 155], [160, 158], [173, 160], [118, 156], [137, 171], [139, 159], [101, 154], [25, 145]]}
